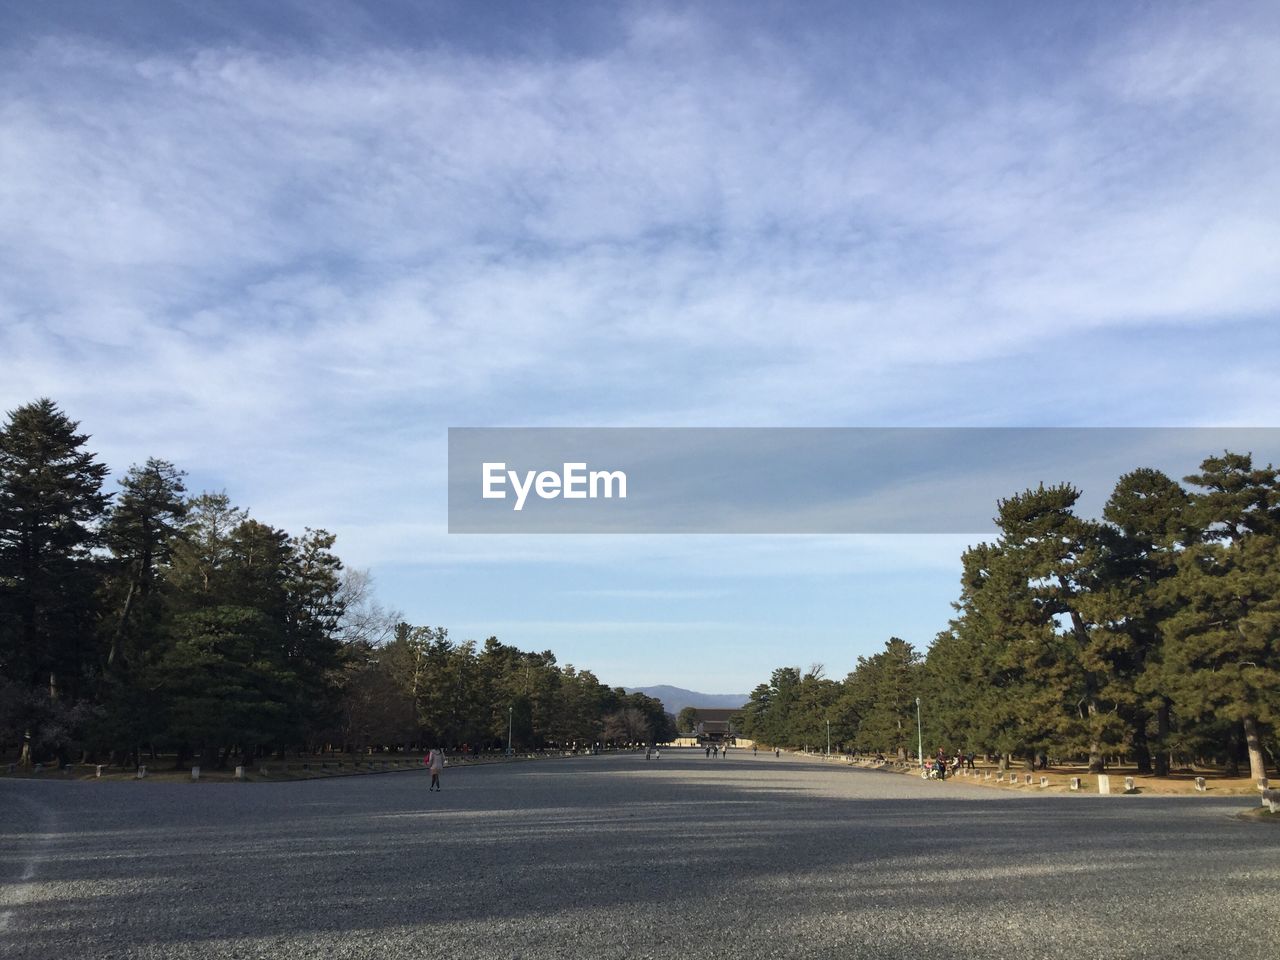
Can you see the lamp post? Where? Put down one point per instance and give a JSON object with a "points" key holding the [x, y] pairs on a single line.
{"points": [[509, 723], [828, 739], [919, 736]]}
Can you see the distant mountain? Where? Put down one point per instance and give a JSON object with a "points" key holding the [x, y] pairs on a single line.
{"points": [[675, 699]]}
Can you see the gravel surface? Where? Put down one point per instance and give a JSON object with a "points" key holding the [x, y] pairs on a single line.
{"points": [[614, 856]]}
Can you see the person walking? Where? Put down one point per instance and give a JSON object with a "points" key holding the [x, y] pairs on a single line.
{"points": [[435, 762]]}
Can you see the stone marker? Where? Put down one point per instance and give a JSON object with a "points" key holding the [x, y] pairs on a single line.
{"points": [[999, 778], [195, 773], [97, 771], [239, 773], [1129, 785], [1044, 781], [142, 772], [262, 771], [1200, 784], [1104, 783], [986, 775], [1075, 783], [66, 768], [1272, 800], [37, 768], [1264, 783], [1028, 779]]}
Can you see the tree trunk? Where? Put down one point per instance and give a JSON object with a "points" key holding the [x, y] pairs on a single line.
{"points": [[118, 634], [1233, 753], [1141, 748], [1097, 763], [1162, 739], [1257, 768]]}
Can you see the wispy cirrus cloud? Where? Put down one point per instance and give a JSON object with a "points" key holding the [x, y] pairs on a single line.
{"points": [[291, 265]]}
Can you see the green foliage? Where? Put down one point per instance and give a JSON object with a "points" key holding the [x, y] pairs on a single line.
{"points": [[163, 620], [204, 630], [1222, 649], [879, 699], [1153, 631], [687, 720], [50, 503]]}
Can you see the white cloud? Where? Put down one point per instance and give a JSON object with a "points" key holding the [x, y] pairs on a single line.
{"points": [[291, 271]]}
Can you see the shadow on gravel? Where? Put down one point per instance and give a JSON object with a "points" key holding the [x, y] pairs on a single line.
{"points": [[164, 864]]}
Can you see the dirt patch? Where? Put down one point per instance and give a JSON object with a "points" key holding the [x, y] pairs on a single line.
{"points": [[1059, 780]]}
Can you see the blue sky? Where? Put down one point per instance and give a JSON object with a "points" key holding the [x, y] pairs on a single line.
{"points": [[287, 246]]}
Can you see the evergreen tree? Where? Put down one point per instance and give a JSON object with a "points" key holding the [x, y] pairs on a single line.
{"points": [[1222, 655], [881, 691], [140, 532], [51, 500], [1131, 602], [1052, 556]]}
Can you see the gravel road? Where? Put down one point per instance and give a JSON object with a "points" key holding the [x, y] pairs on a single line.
{"points": [[614, 856]]}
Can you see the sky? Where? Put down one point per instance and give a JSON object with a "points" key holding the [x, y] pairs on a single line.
{"points": [[287, 246]]}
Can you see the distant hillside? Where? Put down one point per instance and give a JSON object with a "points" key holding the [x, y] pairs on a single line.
{"points": [[675, 699]]}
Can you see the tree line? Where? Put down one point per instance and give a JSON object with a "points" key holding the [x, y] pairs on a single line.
{"points": [[1152, 633], [150, 620]]}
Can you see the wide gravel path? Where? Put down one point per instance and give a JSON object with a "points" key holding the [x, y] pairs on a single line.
{"points": [[614, 856]]}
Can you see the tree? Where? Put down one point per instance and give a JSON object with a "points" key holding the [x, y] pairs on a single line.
{"points": [[139, 532], [50, 503], [221, 686], [202, 556], [1052, 556], [628, 725], [1146, 526], [815, 698], [1222, 653], [313, 648], [687, 721], [879, 700]]}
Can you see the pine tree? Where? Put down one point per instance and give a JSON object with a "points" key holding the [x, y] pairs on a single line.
{"points": [[1222, 652], [1145, 529], [1053, 556], [50, 503], [881, 692], [140, 532]]}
